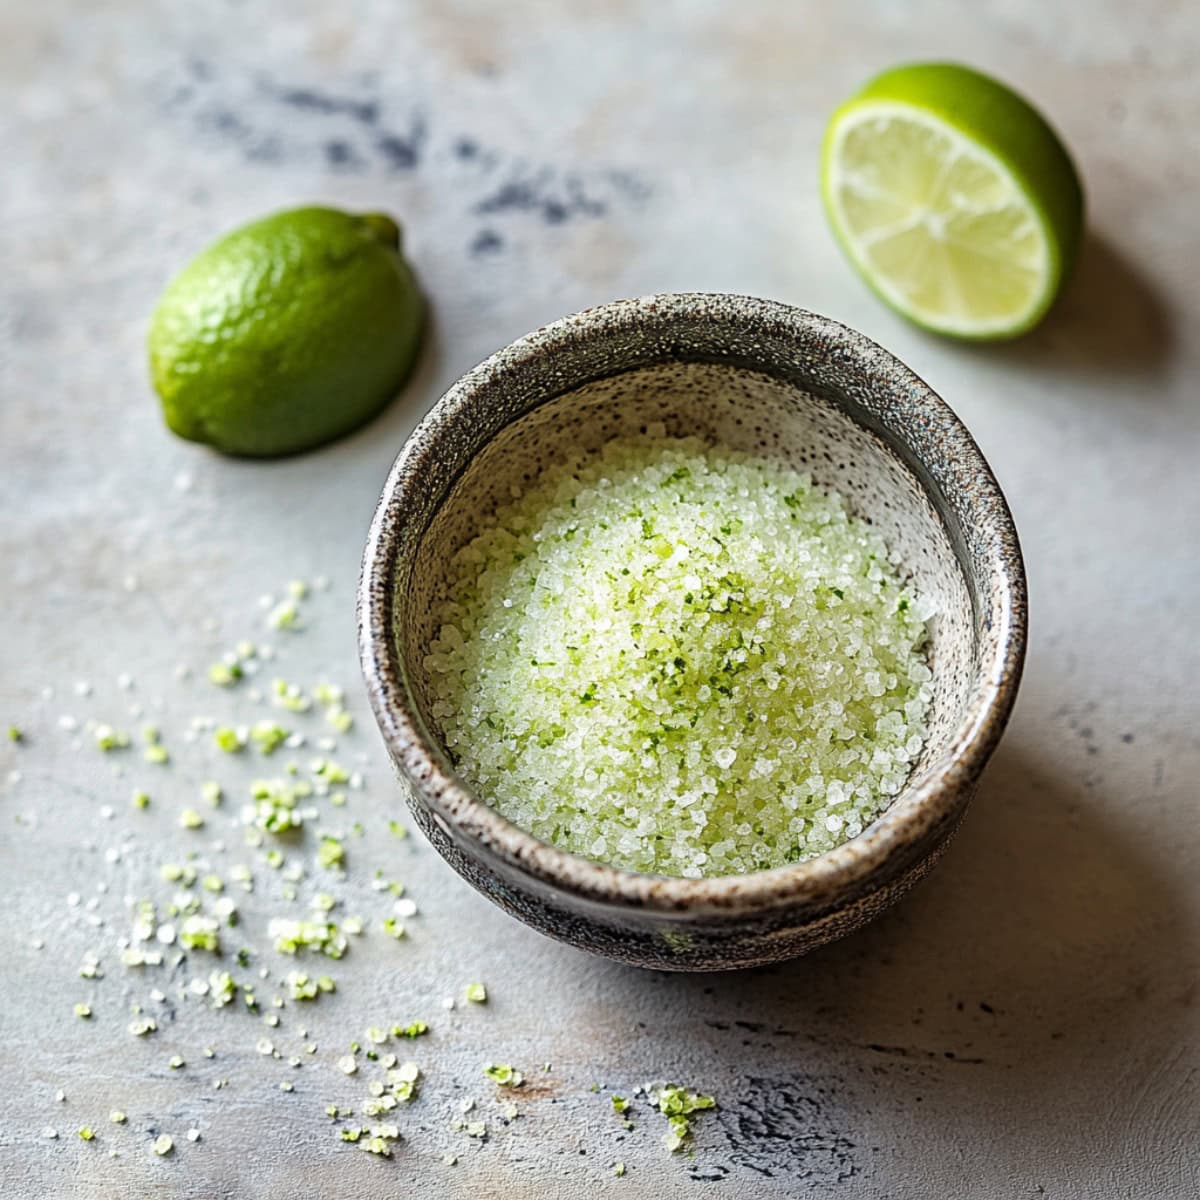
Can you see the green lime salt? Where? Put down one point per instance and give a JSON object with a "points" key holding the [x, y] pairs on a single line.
{"points": [[681, 660]]}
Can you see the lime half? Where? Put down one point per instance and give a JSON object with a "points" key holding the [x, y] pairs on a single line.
{"points": [[954, 199]]}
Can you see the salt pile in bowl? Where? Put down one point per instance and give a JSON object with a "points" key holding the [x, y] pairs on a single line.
{"points": [[681, 660]]}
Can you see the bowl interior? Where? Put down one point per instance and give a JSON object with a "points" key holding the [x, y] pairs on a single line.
{"points": [[734, 406]]}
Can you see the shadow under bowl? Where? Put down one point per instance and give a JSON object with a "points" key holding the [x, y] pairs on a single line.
{"points": [[758, 377]]}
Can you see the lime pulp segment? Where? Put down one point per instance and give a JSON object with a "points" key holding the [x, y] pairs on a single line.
{"points": [[936, 222]]}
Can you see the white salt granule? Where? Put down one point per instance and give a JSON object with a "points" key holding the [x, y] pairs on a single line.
{"points": [[681, 660]]}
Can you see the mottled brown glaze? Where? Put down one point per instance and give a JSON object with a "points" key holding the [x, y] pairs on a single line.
{"points": [[756, 376]]}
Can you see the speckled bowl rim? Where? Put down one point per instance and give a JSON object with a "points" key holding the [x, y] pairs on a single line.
{"points": [[932, 799]]}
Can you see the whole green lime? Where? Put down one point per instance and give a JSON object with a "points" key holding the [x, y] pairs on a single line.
{"points": [[286, 333]]}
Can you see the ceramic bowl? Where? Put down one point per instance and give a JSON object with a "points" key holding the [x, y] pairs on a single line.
{"points": [[759, 377]]}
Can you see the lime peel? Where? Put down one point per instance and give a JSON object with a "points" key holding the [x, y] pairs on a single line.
{"points": [[286, 333], [953, 198]]}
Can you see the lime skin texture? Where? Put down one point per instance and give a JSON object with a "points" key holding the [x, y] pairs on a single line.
{"points": [[1007, 130], [286, 333]]}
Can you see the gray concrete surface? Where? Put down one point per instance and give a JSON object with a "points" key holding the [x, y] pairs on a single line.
{"points": [[1026, 1024]]}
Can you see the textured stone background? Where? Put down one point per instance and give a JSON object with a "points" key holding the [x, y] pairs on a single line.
{"points": [[1026, 1024]]}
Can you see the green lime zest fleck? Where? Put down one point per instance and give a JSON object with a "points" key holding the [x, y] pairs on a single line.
{"points": [[225, 674], [476, 993], [292, 936], [83, 1010], [221, 990], [182, 873], [331, 854], [340, 719], [327, 771], [503, 1075], [275, 804], [289, 696], [379, 1142], [268, 736], [108, 738], [285, 615], [199, 932], [677, 1104], [229, 739], [303, 987]]}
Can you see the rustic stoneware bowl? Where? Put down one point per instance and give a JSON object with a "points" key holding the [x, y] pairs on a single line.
{"points": [[759, 377]]}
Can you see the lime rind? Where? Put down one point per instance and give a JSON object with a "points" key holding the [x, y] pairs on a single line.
{"points": [[1017, 212], [286, 333], [1039, 264]]}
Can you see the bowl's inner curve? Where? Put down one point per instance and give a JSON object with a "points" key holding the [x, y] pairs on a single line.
{"points": [[729, 406]]}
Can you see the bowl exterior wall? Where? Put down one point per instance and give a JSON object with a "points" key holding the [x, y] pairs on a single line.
{"points": [[679, 941]]}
